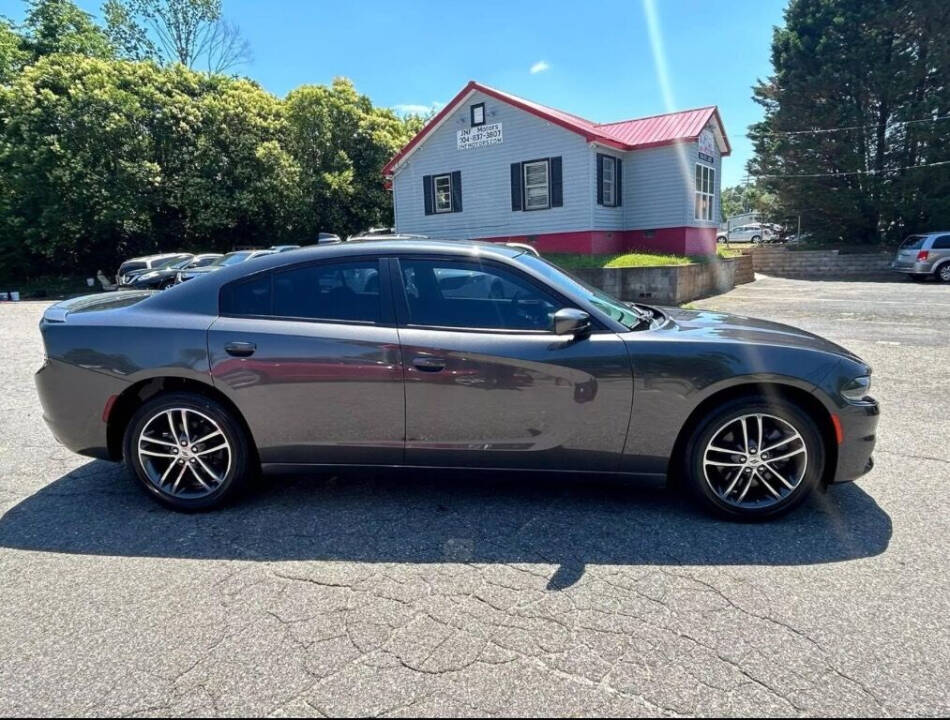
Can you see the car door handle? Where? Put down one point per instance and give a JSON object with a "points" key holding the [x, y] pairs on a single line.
{"points": [[240, 349], [429, 364]]}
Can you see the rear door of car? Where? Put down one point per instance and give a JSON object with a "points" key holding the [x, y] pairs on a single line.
{"points": [[310, 355], [488, 384]]}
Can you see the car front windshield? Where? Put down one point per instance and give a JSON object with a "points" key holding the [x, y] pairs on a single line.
{"points": [[169, 262], [621, 312], [232, 258]]}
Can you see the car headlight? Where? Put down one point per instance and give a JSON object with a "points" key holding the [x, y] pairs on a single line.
{"points": [[857, 390], [148, 275]]}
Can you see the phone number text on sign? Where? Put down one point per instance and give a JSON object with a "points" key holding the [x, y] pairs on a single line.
{"points": [[479, 136]]}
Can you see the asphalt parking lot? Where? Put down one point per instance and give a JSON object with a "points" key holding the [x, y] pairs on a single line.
{"points": [[406, 594]]}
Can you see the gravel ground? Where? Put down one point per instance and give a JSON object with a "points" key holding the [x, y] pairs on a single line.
{"points": [[409, 594]]}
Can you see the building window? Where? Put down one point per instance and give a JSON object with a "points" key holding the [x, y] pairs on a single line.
{"points": [[478, 114], [443, 193], [537, 194], [705, 192], [609, 181]]}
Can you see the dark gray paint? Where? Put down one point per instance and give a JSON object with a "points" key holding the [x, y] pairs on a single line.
{"points": [[330, 393]]}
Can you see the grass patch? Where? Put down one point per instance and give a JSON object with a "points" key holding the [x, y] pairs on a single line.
{"points": [[576, 261]]}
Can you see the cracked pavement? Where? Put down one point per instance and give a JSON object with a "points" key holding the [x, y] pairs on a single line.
{"points": [[450, 594]]}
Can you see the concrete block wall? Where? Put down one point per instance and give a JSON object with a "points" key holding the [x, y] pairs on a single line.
{"points": [[745, 270], [664, 284], [782, 262]]}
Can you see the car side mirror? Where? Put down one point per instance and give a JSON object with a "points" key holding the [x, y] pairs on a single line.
{"points": [[571, 321]]}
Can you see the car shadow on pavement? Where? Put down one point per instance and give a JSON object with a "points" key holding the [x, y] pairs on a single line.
{"points": [[439, 517]]}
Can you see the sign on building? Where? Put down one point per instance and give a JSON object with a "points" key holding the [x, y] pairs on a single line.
{"points": [[480, 136], [707, 146]]}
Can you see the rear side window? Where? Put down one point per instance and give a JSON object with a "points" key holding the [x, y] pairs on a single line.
{"points": [[942, 243], [914, 242], [248, 297], [345, 292]]}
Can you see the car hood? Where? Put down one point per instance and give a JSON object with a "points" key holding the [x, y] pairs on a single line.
{"points": [[718, 326]]}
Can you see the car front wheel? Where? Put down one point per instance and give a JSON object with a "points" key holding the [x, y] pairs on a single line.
{"points": [[187, 451], [754, 458]]}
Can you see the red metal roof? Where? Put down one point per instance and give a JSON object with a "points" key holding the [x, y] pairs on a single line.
{"points": [[635, 134]]}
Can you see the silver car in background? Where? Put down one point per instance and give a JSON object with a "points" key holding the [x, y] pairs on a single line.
{"points": [[922, 255]]}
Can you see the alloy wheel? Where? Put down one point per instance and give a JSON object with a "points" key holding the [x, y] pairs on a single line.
{"points": [[184, 453], [755, 461], [944, 272]]}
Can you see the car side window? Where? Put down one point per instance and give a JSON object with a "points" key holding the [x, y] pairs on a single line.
{"points": [[942, 243], [247, 297], [343, 291], [474, 295]]}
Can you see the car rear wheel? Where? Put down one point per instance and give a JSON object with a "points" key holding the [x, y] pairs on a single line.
{"points": [[943, 272], [754, 458], [187, 451]]}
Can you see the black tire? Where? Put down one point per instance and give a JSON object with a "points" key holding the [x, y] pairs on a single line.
{"points": [[165, 284], [722, 240], [756, 239], [694, 476], [239, 468], [942, 273]]}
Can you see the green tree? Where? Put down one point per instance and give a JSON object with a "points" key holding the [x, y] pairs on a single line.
{"points": [[868, 79], [341, 143], [100, 160], [13, 56], [748, 198], [59, 26]]}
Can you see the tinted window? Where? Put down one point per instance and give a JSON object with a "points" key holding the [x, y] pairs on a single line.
{"points": [[466, 294], [130, 266], [942, 243], [914, 242], [249, 297], [331, 291]]}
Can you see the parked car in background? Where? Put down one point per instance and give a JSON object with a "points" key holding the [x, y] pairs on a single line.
{"points": [[753, 233], [283, 248], [232, 258], [138, 265], [325, 237], [925, 255], [453, 355], [163, 277]]}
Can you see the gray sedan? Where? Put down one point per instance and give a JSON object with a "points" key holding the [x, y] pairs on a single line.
{"points": [[447, 354]]}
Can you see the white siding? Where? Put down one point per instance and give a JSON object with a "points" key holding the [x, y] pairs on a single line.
{"points": [[486, 179], [655, 192]]}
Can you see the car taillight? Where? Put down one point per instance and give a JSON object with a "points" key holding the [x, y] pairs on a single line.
{"points": [[922, 256]]}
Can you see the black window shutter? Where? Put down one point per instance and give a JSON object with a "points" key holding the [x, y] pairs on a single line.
{"points": [[618, 174], [557, 189], [427, 193], [600, 179], [456, 191], [516, 186]]}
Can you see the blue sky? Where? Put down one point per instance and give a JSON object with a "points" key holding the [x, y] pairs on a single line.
{"points": [[593, 59]]}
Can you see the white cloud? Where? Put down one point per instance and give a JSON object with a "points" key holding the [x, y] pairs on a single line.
{"points": [[539, 67], [416, 109]]}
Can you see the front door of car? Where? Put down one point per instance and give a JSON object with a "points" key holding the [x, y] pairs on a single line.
{"points": [[489, 384], [310, 356]]}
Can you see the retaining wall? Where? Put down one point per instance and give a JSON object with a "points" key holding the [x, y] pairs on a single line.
{"points": [[782, 262], [664, 284]]}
